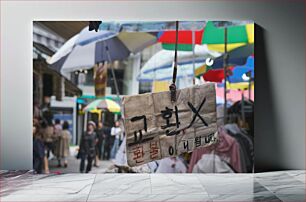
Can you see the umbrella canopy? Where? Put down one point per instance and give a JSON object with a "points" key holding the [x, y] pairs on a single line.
{"points": [[237, 86], [233, 95], [164, 58], [140, 26], [89, 48], [215, 75], [238, 73], [238, 35], [104, 104], [237, 56], [183, 71], [185, 43]]}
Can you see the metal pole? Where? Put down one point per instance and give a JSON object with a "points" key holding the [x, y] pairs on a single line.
{"points": [[225, 57], [250, 86], [242, 106], [113, 72], [193, 55]]}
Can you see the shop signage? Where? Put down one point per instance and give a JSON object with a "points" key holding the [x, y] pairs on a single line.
{"points": [[157, 128]]}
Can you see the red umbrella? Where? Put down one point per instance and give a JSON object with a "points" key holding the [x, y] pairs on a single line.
{"points": [[167, 38], [184, 37], [215, 75]]}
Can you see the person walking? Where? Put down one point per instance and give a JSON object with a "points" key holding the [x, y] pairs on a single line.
{"points": [[56, 140], [87, 147], [38, 151], [100, 137], [107, 143], [47, 132], [116, 132], [48, 136], [62, 149], [57, 126]]}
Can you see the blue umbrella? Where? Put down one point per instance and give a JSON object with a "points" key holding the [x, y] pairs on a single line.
{"points": [[237, 56], [240, 73]]}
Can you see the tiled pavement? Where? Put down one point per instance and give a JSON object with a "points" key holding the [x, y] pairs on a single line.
{"points": [[272, 186]]}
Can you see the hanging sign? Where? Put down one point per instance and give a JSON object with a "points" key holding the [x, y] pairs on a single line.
{"points": [[100, 79], [157, 128]]}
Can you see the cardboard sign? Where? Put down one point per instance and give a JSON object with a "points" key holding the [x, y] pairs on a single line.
{"points": [[157, 128]]}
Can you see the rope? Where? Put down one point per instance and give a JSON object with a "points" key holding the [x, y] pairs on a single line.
{"points": [[172, 87]]}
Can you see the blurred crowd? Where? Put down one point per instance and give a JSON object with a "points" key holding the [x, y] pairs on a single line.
{"points": [[52, 139]]}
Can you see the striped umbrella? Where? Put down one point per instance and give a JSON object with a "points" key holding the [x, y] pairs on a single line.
{"points": [[88, 48], [185, 43], [237, 56], [104, 104], [238, 35], [238, 73]]}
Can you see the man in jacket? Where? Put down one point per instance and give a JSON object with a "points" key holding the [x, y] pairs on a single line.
{"points": [[87, 147]]}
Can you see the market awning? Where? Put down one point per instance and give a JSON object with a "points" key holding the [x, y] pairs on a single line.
{"points": [[41, 67], [65, 29]]}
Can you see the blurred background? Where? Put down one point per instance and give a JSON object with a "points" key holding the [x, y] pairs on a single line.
{"points": [[80, 76]]}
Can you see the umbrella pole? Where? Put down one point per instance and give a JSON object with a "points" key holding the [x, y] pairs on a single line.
{"points": [[242, 106], [193, 55], [250, 86], [225, 73], [113, 73]]}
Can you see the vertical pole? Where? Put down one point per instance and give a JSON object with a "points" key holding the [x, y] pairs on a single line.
{"points": [[242, 106], [193, 55], [225, 57], [250, 86], [113, 72], [115, 81], [175, 54], [85, 121], [77, 124]]}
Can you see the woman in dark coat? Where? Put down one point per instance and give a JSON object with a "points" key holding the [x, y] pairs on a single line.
{"points": [[38, 151], [87, 147]]}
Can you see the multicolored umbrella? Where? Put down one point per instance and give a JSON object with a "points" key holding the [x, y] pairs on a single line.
{"points": [[237, 86], [104, 104], [185, 43], [237, 36], [87, 48], [237, 56], [154, 26], [238, 73], [216, 75], [243, 73]]}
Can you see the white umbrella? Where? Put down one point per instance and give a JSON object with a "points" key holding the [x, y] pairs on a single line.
{"points": [[79, 51], [159, 66], [87, 48], [164, 58], [183, 71], [64, 50]]}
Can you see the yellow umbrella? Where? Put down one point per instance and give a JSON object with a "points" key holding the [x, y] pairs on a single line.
{"points": [[103, 104]]}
